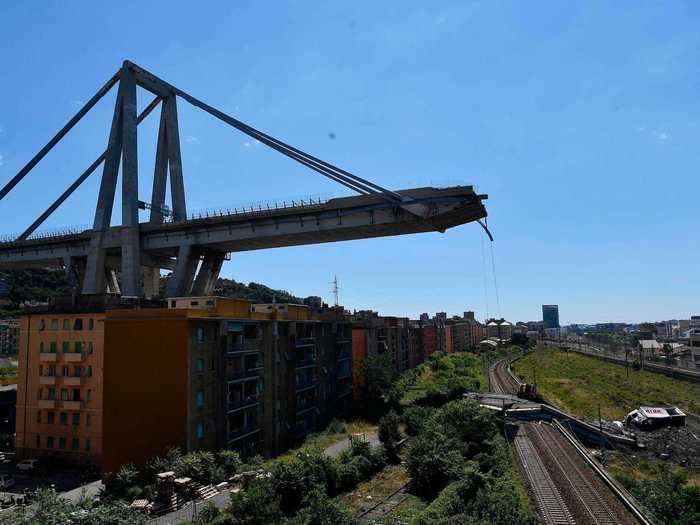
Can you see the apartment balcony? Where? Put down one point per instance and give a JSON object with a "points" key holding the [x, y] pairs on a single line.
{"points": [[46, 403], [47, 357], [305, 384], [246, 373], [240, 404], [73, 357], [344, 391], [304, 408], [72, 405], [305, 341], [47, 380], [245, 347], [73, 380], [243, 431]]}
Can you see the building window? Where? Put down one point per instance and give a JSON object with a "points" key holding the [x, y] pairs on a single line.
{"points": [[65, 347], [90, 347], [63, 418], [91, 324], [42, 325], [53, 347], [38, 441], [76, 394], [200, 334], [38, 416], [89, 371], [78, 347], [52, 393], [49, 418], [87, 445], [76, 419], [65, 371], [54, 324], [200, 430], [64, 394], [200, 398], [78, 324], [41, 347], [250, 331], [75, 444], [66, 324], [200, 364], [49, 442], [61, 442]]}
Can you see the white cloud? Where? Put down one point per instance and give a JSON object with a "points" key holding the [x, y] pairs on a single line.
{"points": [[657, 134], [2, 161], [191, 139], [251, 143]]}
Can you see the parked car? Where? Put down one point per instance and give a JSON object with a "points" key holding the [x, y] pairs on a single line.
{"points": [[6, 481], [28, 464]]}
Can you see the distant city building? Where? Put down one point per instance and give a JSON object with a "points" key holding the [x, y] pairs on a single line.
{"points": [[550, 316], [499, 329], [4, 293], [424, 317]]}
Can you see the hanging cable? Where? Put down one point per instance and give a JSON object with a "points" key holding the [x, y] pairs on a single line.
{"points": [[483, 273], [495, 282]]}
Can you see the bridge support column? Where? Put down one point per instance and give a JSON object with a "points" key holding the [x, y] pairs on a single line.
{"points": [[75, 272], [94, 280], [208, 273], [112, 281], [151, 282], [180, 282]]}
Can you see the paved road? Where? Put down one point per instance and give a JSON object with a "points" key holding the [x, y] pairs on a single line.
{"points": [[335, 449], [88, 491]]}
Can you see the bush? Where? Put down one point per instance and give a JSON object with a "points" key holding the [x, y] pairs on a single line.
{"points": [[669, 499], [415, 418], [321, 510], [258, 504], [294, 478], [389, 435], [230, 462], [432, 462]]}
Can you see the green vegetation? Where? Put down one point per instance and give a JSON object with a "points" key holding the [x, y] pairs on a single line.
{"points": [[8, 375], [50, 509], [443, 377], [39, 284], [665, 492], [461, 457], [578, 384]]}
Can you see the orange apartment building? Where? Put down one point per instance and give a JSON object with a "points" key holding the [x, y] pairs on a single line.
{"points": [[60, 386], [116, 386]]}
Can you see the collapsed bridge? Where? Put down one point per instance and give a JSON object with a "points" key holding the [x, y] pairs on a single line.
{"points": [[126, 259]]}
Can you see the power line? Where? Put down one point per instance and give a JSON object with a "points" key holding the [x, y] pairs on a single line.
{"points": [[483, 274], [495, 281]]}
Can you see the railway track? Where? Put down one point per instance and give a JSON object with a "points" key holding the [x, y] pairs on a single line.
{"points": [[501, 380], [585, 497], [384, 507], [551, 504]]}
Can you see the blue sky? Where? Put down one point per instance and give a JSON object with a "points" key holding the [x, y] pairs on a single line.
{"points": [[580, 120]]}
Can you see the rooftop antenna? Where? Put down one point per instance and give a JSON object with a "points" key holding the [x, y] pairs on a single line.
{"points": [[335, 289]]}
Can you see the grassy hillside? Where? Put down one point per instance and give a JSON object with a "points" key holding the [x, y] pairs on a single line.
{"points": [[577, 383]]}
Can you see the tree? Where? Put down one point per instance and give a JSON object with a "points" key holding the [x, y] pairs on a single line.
{"points": [[319, 509], [258, 504], [389, 435], [378, 376]]}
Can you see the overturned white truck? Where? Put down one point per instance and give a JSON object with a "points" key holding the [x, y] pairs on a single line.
{"points": [[655, 417]]}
